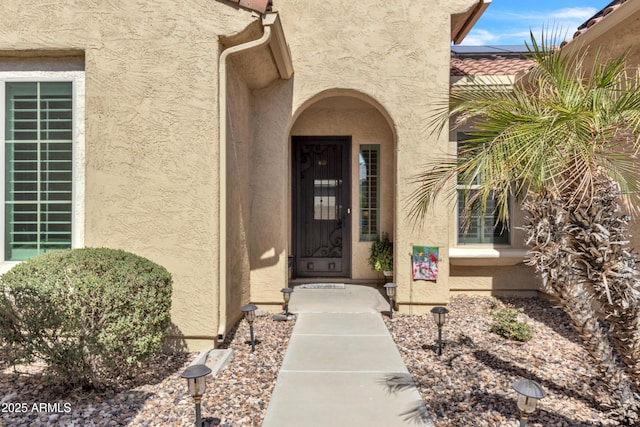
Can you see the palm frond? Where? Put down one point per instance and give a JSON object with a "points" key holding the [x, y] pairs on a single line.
{"points": [[436, 179], [553, 132]]}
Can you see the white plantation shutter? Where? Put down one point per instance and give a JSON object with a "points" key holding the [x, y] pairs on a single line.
{"points": [[369, 178], [38, 169]]}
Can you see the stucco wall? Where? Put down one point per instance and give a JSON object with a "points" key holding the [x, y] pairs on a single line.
{"points": [[387, 53], [151, 130], [152, 151], [518, 279], [270, 192], [612, 36], [238, 205]]}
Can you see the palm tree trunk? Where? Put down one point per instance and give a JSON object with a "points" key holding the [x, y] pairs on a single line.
{"points": [[563, 264], [600, 238], [576, 302]]}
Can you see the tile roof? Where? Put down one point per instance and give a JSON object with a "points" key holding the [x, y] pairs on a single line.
{"points": [[606, 11], [489, 64]]}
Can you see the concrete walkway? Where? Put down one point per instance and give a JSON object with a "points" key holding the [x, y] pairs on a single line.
{"points": [[337, 364]]}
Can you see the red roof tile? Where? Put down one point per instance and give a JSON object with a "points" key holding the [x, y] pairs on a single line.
{"points": [[494, 65], [606, 11]]}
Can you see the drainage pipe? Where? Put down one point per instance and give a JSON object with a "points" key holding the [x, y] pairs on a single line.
{"points": [[222, 202]]}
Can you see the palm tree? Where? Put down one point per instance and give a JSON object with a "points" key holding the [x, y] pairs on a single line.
{"points": [[563, 142]]}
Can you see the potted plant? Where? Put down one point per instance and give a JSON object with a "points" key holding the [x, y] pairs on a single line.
{"points": [[381, 255]]}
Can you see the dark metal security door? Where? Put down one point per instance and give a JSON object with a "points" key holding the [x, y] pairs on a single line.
{"points": [[321, 206]]}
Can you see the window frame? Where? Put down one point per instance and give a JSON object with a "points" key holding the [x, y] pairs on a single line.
{"points": [[77, 79], [370, 237], [461, 187]]}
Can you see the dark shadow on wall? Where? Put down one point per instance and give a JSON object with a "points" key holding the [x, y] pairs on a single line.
{"points": [[505, 280], [175, 342], [269, 174]]}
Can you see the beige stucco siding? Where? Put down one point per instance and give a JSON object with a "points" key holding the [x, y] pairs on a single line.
{"points": [[398, 57], [490, 280], [270, 192], [151, 129], [238, 200], [153, 159]]}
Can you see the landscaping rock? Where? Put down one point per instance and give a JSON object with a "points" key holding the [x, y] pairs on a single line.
{"points": [[468, 386], [471, 383]]}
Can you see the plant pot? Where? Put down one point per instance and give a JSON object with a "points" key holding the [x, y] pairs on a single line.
{"points": [[388, 276]]}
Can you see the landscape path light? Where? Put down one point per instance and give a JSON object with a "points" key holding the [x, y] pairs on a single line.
{"points": [[529, 392], [249, 311], [286, 295], [197, 385], [440, 316], [391, 293]]}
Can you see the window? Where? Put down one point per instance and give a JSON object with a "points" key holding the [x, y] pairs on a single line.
{"points": [[477, 228], [43, 161], [369, 178]]}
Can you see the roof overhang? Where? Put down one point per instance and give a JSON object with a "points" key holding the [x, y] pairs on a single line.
{"points": [[264, 64], [594, 33], [261, 6], [278, 45], [470, 82], [461, 23]]}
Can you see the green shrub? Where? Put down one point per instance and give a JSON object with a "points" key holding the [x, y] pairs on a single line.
{"points": [[381, 254], [91, 314], [506, 324]]}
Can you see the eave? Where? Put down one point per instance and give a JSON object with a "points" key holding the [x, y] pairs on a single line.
{"points": [[461, 23], [611, 16]]}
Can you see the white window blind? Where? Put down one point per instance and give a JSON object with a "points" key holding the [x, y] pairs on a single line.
{"points": [[38, 168], [369, 176]]}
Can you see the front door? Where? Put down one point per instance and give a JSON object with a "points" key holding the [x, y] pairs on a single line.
{"points": [[321, 206]]}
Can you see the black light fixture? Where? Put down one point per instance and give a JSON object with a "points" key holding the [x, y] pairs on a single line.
{"points": [[440, 316], [529, 392], [391, 293], [286, 295], [249, 311], [197, 385]]}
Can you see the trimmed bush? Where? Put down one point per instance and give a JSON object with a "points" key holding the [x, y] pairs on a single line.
{"points": [[93, 315], [507, 325]]}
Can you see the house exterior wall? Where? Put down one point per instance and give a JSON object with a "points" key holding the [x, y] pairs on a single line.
{"points": [[238, 198], [388, 55], [612, 36], [518, 279], [152, 135], [151, 131]]}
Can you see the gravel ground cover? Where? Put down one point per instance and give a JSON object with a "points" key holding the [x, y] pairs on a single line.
{"points": [[238, 396], [470, 384]]}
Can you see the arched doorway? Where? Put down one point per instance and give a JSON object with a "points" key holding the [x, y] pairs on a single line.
{"points": [[342, 185]]}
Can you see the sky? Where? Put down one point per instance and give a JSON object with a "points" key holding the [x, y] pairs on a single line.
{"points": [[508, 22]]}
